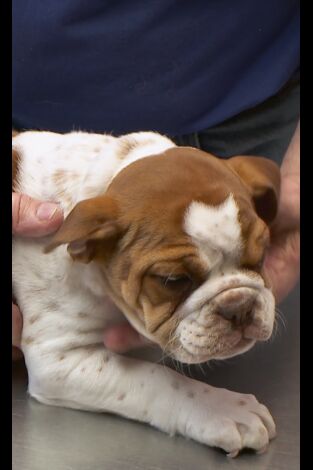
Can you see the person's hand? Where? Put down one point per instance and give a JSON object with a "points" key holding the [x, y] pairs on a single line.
{"points": [[123, 337], [30, 218], [282, 262]]}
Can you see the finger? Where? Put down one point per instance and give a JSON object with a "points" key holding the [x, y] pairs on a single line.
{"points": [[34, 218], [16, 354], [122, 338], [17, 325]]}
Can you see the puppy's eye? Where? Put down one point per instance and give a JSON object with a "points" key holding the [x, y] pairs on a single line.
{"points": [[175, 282]]}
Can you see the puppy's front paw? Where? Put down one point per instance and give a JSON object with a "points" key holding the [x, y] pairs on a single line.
{"points": [[231, 421]]}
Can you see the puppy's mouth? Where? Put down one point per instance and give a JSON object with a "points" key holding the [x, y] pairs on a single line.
{"points": [[192, 354], [195, 354]]}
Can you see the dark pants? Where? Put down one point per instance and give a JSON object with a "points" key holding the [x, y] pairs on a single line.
{"points": [[265, 130]]}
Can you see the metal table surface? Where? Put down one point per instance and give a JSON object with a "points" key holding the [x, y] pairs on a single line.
{"points": [[52, 438]]}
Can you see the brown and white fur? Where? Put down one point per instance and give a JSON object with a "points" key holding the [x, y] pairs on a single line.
{"points": [[171, 238]]}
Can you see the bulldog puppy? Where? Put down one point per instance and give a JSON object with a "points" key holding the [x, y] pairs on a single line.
{"points": [[172, 238]]}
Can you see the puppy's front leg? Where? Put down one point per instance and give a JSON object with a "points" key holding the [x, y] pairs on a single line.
{"points": [[94, 379]]}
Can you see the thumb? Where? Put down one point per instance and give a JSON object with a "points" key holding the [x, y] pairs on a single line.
{"points": [[34, 218], [122, 338]]}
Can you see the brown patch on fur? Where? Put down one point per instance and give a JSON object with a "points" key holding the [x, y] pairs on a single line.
{"points": [[61, 357], [85, 331], [83, 314], [121, 396], [125, 145], [100, 369], [59, 177], [33, 319], [28, 340], [242, 402], [52, 305], [190, 394], [63, 176]]}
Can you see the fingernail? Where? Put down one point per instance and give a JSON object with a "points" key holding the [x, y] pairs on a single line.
{"points": [[46, 211]]}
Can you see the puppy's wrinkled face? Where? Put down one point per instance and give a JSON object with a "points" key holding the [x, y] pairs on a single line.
{"points": [[180, 239]]}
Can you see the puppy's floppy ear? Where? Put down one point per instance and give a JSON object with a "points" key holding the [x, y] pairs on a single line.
{"points": [[92, 222], [262, 176]]}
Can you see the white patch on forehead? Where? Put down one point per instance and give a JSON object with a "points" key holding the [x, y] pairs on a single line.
{"points": [[215, 229]]}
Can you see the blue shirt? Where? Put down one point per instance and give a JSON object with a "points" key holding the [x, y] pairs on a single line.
{"points": [[175, 66]]}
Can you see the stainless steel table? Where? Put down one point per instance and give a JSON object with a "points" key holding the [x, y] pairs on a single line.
{"points": [[51, 438]]}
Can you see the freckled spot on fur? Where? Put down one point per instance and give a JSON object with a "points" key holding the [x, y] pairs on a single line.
{"points": [[97, 149], [242, 402], [85, 331], [100, 369], [83, 369], [152, 371], [36, 273], [206, 390], [82, 314], [58, 177], [61, 358], [52, 305], [121, 396], [190, 394], [33, 319], [125, 146], [141, 384], [28, 340], [175, 385]]}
